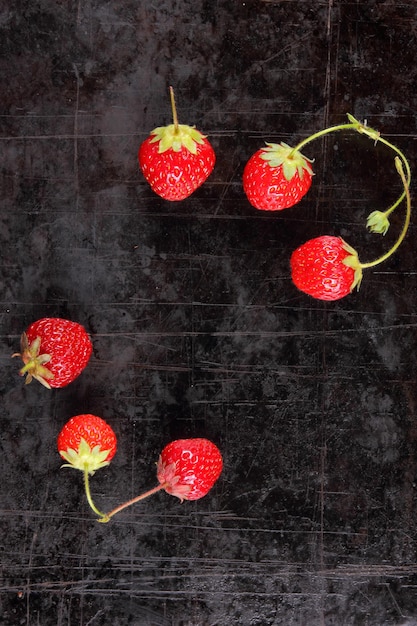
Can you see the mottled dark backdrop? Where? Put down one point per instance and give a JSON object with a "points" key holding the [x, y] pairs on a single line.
{"points": [[197, 328]]}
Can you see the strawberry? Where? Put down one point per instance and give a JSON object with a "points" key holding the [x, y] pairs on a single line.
{"points": [[187, 468], [87, 443], [276, 177], [326, 268], [176, 159], [55, 351]]}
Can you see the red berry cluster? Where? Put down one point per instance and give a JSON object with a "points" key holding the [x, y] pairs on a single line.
{"points": [[177, 159], [187, 468], [55, 351]]}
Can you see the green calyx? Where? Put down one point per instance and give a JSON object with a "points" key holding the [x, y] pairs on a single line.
{"points": [[34, 363], [85, 458], [88, 460], [352, 261], [291, 160], [377, 222], [176, 137]]}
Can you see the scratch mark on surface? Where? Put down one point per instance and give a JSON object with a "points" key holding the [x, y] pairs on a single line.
{"points": [[77, 104]]}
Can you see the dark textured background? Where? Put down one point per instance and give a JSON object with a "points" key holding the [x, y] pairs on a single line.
{"points": [[197, 328]]}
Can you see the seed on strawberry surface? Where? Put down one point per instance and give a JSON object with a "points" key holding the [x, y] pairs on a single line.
{"points": [[54, 351]]}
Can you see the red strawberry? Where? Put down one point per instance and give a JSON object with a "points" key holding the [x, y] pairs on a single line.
{"points": [[87, 443], [55, 351], [187, 468], [326, 268], [276, 177], [176, 159]]}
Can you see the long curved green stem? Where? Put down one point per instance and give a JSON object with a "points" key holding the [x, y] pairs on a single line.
{"points": [[384, 257], [88, 494], [321, 133], [105, 517], [407, 168], [354, 124]]}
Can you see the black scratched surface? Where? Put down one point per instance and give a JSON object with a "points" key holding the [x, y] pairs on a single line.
{"points": [[197, 328]]}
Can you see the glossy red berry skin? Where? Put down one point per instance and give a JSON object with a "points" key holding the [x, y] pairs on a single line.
{"points": [[55, 351], [268, 188], [319, 268], [189, 467], [87, 442], [175, 175]]}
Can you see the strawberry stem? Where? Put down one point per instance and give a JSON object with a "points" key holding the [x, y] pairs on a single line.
{"points": [[354, 124], [407, 167], [174, 109], [384, 257], [88, 493], [321, 133], [105, 517]]}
